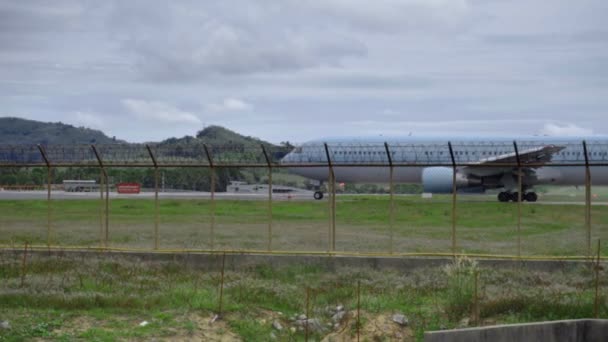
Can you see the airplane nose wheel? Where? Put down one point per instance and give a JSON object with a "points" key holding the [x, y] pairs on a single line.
{"points": [[531, 196], [318, 195]]}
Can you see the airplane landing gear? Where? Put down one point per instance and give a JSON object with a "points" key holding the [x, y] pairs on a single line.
{"points": [[531, 197], [318, 195], [505, 196]]}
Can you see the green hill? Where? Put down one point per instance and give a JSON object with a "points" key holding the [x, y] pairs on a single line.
{"points": [[218, 136], [15, 131]]}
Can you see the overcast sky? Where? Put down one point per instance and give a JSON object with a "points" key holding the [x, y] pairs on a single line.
{"points": [[297, 70]]}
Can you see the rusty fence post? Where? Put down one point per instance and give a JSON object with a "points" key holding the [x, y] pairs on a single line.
{"points": [[332, 201], [596, 303], [269, 163], [107, 199], [392, 199], [212, 185], [24, 264], [587, 199], [156, 203], [221, 299], [49, 179], [519, 197], [307, 309], [101, 210], [476, 299], [358, 309], [453, 199]]}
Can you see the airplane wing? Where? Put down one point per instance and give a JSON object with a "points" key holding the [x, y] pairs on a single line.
{"points": [[536, 155]]}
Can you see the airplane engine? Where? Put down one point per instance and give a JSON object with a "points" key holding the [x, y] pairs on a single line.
{"points": [[438, 180]]}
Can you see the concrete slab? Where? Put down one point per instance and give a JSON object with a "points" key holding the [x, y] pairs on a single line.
{"points": [[579, 330]]}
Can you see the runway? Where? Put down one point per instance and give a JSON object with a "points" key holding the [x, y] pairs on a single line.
{"points": [[62, 195], [302, 195]]}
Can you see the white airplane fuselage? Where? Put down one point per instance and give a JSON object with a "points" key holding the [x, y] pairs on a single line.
{"points": [[425, 155]]}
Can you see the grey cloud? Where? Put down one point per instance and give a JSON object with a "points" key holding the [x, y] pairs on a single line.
{"points": [[38, 16], [555, 39], [303, 63], [171, 45]]}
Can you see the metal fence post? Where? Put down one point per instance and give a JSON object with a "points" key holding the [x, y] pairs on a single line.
{"points": [[332, 201], [519, 198], [358, 310], [587, 198], [307, 309], [596, 302], [107, 199], [453, 199], [101, 211], [212, 175], [392, 198], [156, 204], [48, 195], [269, 197]]}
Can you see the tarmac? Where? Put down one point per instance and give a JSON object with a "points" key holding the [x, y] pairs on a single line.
{"points": [[303, 195]]}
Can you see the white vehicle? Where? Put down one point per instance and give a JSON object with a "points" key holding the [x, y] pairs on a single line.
{"points": [[80, 186]]}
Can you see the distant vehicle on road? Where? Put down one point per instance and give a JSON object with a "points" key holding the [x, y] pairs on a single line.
{"points": [[80, 185]]}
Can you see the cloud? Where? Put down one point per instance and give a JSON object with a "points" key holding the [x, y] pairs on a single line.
{"points": [[230, 104], [174, 43], [391, 16], [447, 66], [159, 112], [88, 119], [569, 129]]}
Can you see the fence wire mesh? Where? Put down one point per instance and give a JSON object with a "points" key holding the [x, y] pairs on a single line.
{"points": [[199, 216]]}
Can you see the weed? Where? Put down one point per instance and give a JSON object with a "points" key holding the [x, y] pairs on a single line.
{"points": [[460, 290]]}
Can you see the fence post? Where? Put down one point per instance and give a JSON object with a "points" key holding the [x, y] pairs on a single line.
{"points": [[596, 303], [24, 264], [156, 204], [107, 199], [220, 304], [392, 195], [307, 314], [48, 195], [212, 175], [101, 211], [269, 197], [476, 309], [358, 309], [587, 198], [519, 198], [332, 201], [453, 199]]}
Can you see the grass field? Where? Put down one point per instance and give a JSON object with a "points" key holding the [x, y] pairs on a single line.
{"points": [[106, 298], [362, 225]]}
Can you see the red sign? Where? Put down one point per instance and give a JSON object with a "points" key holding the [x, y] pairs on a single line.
{"points": [[128, 188]]}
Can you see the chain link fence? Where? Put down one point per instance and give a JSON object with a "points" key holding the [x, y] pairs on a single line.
{"points": [[200, 217]]}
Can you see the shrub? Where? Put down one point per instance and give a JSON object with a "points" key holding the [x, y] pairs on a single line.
{"points": [[460, 289]]}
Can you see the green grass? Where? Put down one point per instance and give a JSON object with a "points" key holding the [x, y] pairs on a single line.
{"points": [[106, 297], [362, 225]]}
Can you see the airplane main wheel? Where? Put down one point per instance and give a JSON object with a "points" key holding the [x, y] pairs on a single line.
{"points": [[318, 195], [515, 197], [504, 197], [531, 197]]}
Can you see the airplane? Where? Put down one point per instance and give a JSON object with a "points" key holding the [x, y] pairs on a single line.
{"points": [[481, 163]]}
